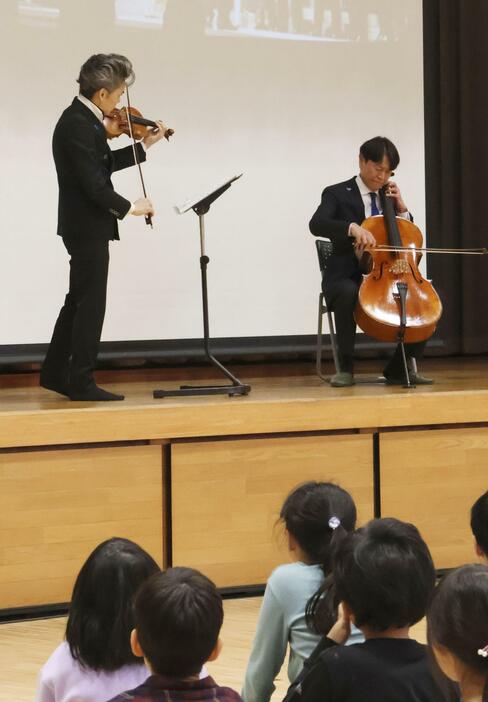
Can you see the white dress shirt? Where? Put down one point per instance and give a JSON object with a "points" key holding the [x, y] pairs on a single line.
{"points": [[365, 192], [91, 106]]}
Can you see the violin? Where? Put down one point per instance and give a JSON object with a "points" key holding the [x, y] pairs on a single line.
{"points": [[117, 123], [395, 302], [128, 120]]}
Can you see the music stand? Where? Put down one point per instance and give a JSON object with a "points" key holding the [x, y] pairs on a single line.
{"points": [[201, 206]]}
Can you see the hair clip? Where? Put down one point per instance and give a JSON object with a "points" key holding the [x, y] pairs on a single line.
{"points": [[334, 522], [483, 652]]}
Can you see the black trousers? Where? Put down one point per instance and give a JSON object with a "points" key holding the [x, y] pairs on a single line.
{"points": [[341, 297], [72, 353]]}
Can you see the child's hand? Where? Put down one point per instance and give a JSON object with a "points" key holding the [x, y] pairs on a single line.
{"points": [[341, 630]]}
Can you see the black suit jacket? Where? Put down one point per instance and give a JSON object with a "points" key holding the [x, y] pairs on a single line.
{"points": [[341, 204], [88, 206]]}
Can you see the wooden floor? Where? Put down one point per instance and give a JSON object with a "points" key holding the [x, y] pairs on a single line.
{"points": [[25, 646]]}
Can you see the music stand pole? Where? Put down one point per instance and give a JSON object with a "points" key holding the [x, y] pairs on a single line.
{"points": [[236, 388]]}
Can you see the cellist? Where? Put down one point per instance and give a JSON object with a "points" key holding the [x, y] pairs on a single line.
{"points": [[338, 217], [88, 211]]}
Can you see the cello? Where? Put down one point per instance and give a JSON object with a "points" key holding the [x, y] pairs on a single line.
{"points": [[395, 302]]}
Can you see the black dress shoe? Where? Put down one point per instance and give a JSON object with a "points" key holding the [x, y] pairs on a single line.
{"points": [[58, 385], [415, 379], [95, 394]]}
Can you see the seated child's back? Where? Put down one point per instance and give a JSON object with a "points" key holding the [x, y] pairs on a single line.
{"points": [[178, 616], [315, 515], [95, 661], [457, 626], [479, 525], [383, 576]]}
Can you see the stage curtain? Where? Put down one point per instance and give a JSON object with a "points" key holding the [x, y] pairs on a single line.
{"points": [[456, 140]]}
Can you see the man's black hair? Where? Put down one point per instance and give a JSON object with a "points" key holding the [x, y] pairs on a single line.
{"points": [[100, 616], [377, 148], [479, 522], [178, 617]]}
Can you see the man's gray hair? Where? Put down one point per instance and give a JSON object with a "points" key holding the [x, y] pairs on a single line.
{"points": [[107, 71]]}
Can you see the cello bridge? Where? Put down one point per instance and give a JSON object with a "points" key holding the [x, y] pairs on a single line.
{"points": [[399, 267]]}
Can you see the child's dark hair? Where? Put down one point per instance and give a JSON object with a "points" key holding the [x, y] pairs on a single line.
{"points": [[178, 617], [458, 615], [479, 522], [385, 574], [377, 148], [100, 617], [310, 512]]}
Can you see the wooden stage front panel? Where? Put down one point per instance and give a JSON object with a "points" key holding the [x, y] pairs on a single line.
{"points": [[233, 461], [56, 506], [226, 497], [432, 478]]}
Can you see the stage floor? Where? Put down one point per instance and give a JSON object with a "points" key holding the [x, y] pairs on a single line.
{"points": [[283, 398]]}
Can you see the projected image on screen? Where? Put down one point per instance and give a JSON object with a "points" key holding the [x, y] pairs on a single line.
{"points": [[142, 12], [312, 20], [38, 13], [299, 20]]}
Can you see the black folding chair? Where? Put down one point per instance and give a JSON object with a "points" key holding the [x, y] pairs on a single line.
{"points": [[324, 251]]}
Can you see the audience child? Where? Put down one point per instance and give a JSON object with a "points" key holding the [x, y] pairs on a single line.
{"points": [[178, 616], [95, 661], [457, 628], [479, 525], [315, 516], [383, 577]]}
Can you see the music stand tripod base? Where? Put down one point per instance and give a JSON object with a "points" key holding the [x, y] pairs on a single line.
{"points": [[201, 207], [195, 390]]}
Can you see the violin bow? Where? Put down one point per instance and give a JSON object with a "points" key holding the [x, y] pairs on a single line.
{"points": [[147, 217]]}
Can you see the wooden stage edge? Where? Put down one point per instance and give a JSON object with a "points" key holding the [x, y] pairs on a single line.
{"points": [[294, 401]]}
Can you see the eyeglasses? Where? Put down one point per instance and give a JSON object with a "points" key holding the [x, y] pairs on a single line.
{"points": [[381, 170]]}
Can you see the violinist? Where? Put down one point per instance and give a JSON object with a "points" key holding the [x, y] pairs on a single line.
{"points": [[338, 217], [88, 211]]}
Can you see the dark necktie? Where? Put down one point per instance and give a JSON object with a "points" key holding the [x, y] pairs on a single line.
{"points": [[374, 206]]}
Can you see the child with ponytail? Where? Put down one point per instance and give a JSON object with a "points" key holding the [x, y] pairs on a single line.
{"points": [[457, 628], [315, 515]]}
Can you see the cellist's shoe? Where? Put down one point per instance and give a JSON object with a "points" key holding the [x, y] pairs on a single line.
{"points": [[415, 379], [342, 380]]}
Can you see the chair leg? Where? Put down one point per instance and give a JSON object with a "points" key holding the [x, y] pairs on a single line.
{"points": [[318, 359], [333, 341]]}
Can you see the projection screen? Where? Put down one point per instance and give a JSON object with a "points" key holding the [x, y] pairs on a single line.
{"points": [[283, 91]]}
